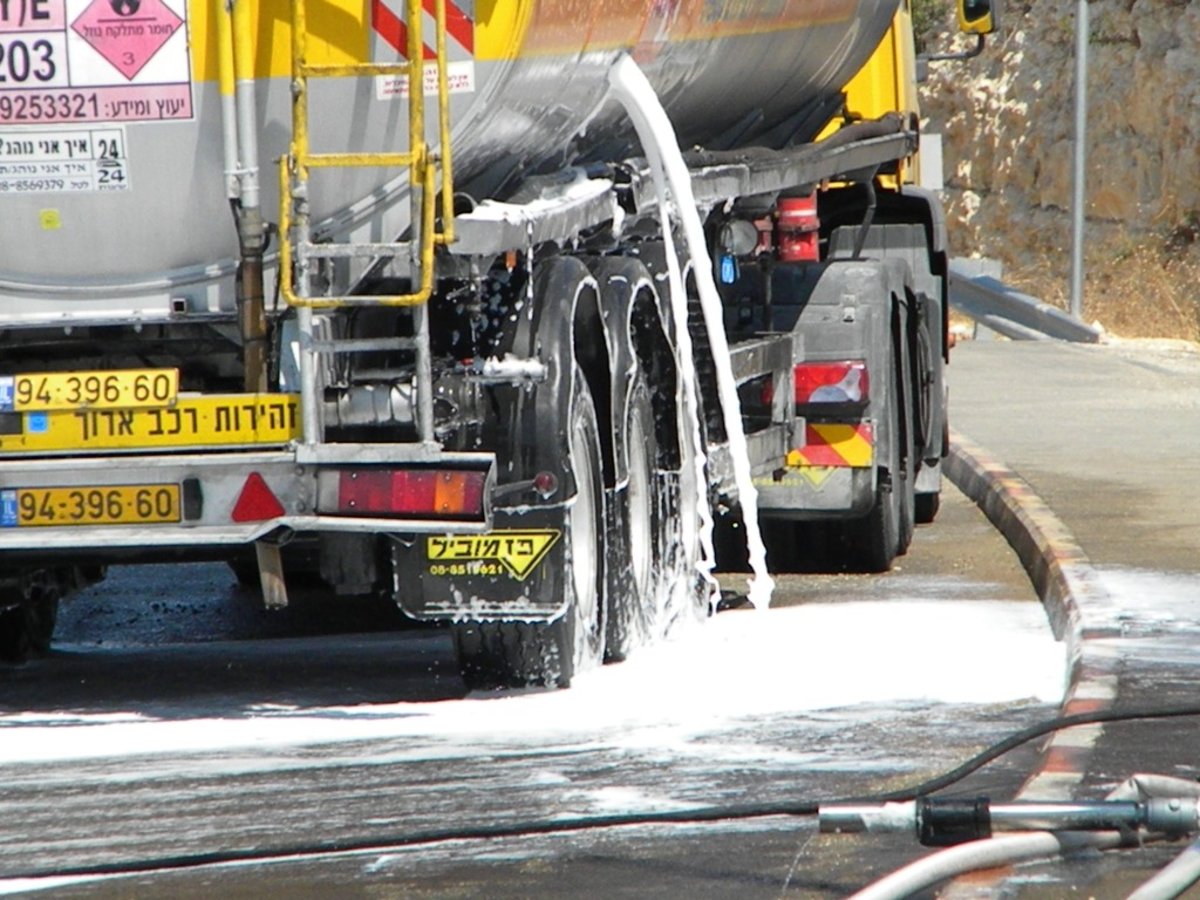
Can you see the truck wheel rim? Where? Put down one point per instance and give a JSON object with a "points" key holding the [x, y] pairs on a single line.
{"points": [[640, 525], [584, 528]]}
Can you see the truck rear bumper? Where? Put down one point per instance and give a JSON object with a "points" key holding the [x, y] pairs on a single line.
{"points": [[817, 492], [47, 504]]}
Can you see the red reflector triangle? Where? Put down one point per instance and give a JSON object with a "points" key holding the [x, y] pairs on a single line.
{"points": [[256, 502]]}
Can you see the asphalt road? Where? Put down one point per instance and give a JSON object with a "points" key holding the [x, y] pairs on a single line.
{"points": [[165, 725], [1107, 437], [176, 719]]}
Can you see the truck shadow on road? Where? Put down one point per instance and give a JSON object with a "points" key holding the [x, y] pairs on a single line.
{"points": [[180, 641], [233, 678]]}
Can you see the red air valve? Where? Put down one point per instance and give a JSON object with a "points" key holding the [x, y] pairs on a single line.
{"points": [[797, 228]]}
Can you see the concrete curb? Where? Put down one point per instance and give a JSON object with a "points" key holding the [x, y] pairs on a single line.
{"points": [[1078, 606], [1080, 612]]}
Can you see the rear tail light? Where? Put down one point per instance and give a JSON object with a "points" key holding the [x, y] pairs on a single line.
{"points": [[433, 493], [845, 382]]}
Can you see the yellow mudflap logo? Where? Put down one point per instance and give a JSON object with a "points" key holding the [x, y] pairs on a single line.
{"points": [[816, 475], [514, 551], [797, 476]]}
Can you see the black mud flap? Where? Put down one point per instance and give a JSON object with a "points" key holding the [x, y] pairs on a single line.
{"points": [[514, 572]]}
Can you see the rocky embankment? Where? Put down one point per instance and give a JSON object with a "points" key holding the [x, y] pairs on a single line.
{"points": [[1007, 120]]}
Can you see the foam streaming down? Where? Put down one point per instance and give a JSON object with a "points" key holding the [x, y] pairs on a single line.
{"points": [[634, 92]]}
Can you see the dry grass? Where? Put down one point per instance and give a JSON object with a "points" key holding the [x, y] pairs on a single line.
{"points": [[1142, 288]]}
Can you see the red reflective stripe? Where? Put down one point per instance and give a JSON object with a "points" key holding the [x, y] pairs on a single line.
{"points": [[835, 445], [393, 30], [818, 453], [458, 25], [389, 26]]}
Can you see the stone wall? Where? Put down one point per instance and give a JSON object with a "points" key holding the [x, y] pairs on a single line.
{"points": [[1007, 120]]}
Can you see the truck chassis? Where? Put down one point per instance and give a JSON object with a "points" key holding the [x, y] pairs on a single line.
{"points": [[513, 456]]}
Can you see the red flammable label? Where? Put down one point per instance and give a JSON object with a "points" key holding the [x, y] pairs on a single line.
{"points": [[127, 33]]}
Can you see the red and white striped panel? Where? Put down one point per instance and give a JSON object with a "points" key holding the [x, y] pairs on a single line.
{"points": [[388, 19]]}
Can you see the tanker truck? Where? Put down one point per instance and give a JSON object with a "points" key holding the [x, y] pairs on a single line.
{"points": [[399, 298]]}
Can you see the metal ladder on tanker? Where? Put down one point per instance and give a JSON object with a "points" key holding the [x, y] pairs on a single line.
{"points": [[298, 251]]}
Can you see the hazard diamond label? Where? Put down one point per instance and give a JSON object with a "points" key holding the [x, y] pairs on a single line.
{"points": [[66, 62], [517, 551], [127, 33]]}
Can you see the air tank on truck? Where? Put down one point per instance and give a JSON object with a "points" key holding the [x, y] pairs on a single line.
{"points": [[395, 299]]}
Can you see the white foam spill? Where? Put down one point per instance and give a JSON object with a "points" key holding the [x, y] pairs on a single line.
{"points": [[738, 672], [631, 88]]}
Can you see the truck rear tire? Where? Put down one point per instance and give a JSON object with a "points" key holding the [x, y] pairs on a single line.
{"points": [[631, 592], [493, 655], [521, 654], [26, 627], [928, 396], [872, 540], [657, 561], [907, 474], [872, 543], [929, 502], [927, 507]]}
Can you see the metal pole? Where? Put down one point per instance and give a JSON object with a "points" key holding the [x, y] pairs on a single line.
{"points": [[1080, 168]]}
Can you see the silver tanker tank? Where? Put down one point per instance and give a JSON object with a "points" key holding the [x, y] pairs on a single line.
{"points": [[113, 204]]}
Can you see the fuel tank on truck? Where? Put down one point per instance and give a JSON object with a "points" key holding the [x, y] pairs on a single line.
{"points": [[113, 201]]}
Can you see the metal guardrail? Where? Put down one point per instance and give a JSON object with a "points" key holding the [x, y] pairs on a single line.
{"points": [[1006, 311]]}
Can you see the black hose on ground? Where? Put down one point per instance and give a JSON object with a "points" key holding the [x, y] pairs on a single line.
{"points": [[562, 826]]}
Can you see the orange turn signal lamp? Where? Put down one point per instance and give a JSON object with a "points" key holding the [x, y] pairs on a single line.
{"points": [[412, 493]]}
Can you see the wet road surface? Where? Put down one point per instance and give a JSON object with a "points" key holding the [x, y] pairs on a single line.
{"points": [[174, 718]]}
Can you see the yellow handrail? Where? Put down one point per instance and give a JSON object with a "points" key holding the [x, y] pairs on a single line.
{"points": [[294, 168], [416, 298]]}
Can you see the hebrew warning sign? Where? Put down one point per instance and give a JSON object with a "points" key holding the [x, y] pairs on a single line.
{"points": [[63, 160], [67, 61], [506, 551]]}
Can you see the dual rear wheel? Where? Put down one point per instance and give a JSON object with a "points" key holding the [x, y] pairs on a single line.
{"points": [[518, 654], [658, 554], [630, 534], [629, 567]]}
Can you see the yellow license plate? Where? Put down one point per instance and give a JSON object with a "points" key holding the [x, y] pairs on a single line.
{"points": [[124, 389], [134, 504], [221, 420]]}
